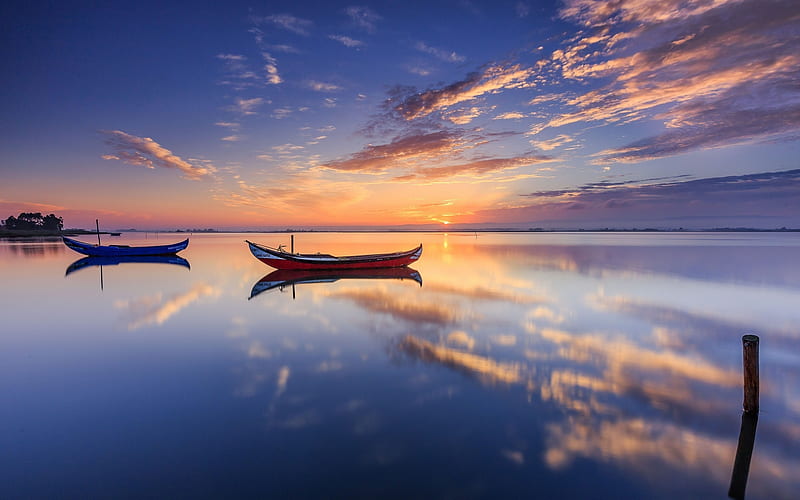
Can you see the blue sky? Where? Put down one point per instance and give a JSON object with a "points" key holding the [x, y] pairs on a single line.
{"points": [[514, 114]]}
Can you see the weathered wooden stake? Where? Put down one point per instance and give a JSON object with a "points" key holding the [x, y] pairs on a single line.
{"points": [[750, 356]]}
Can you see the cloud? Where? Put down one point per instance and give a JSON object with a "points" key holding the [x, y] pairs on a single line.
{"points": [[239, 75], [283, 47], [146, 152], [271, 69], [714, 73], [417, 70], [322, 86], [288, 22], [759, 198], [247, 106], [553, 143], [462, 338], [294, 193], [492, 80], [465, 116], [511, 115], [478, 168], [417, 147], [364, 17], [710, 128], [444, 55], [784, 184], [230, 125], [346, 41]]}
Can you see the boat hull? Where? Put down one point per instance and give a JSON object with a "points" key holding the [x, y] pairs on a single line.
{"points": [[284, 260], [123, 251]]}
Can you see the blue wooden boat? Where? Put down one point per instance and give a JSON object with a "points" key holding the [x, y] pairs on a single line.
{"points": [[123, 250], [115, 261]]}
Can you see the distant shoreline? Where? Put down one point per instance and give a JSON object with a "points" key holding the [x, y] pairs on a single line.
{"points": [[83, 232]]}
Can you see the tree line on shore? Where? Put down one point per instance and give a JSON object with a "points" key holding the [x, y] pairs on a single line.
{"points": [[33, 222]]}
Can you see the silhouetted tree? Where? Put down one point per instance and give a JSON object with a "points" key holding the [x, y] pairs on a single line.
{"points": [[52, 223], [28, 221]]}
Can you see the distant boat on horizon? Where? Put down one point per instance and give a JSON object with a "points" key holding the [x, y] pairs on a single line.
{"points": [[123, 250]]}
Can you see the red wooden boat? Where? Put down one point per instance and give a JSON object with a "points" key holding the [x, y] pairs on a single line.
{"points": [[280, 259]]}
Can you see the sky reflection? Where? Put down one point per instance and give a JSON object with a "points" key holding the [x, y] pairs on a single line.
{"points": [[577, 364]]}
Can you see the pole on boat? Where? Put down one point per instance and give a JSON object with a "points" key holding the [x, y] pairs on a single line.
{"points": [[97, 225], [292, 238], [750, 358]]}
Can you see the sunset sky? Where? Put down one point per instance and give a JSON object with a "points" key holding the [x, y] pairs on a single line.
{"points": [[267, 115]]}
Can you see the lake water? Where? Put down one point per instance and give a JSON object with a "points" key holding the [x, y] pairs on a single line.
{"points": [[583, 365]]}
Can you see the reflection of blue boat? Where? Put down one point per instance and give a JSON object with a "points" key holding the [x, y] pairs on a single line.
{"points": [[285, 277], [123, 250], [115, 261]]}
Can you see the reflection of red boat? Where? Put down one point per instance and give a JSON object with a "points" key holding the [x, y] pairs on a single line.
{"points": [[279, 259], [285, 277]]}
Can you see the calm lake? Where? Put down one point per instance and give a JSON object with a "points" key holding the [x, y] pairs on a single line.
{"points": [[509, 365]]}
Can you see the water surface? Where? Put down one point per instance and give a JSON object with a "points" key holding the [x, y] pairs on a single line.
{"points": [[584, 365]]}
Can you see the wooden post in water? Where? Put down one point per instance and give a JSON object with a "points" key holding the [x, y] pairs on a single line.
{"points": [[97, 225], [750, 357]]}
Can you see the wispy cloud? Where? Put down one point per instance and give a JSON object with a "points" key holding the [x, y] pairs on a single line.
{"points": [[555, 142], [294, 194], [288, 22], [444, 55], [247, 106], [229, 125], [478, 168], [283, 47], [346, 41], [322, 86], [237, 72], [493, 79], [418, 147], [239, 75], [146, 152], [714, 73], [363, 17], [271, 69], [510, 115]]}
